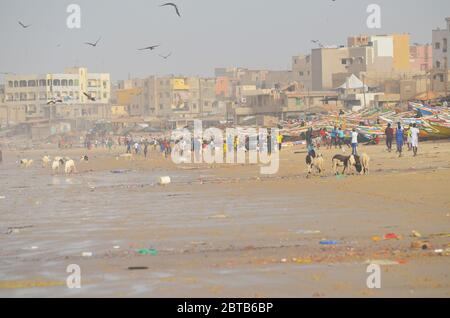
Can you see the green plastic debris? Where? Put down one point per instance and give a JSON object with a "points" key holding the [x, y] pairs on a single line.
{"points": [[147, 251]]}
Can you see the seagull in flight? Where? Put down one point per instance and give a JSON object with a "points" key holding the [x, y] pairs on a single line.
{"points": [[54, 101], [166, 56], [151, 48], [23, 25], [93, 44], [89, 97], [173, 5]]}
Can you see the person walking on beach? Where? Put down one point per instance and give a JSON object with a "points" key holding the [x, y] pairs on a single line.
{"points": [[354, 142], [334, 137], [280, 141], [409, 138], [341, 137], [399, 138], [415, 138], [389, 132], [145, 149]]}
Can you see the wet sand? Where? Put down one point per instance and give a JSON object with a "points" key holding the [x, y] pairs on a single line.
{"points": [[224, 230]]}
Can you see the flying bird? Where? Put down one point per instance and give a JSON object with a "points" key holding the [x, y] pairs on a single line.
{"points": [[89, 97], [151, 48], [93, 44], [173, 5], [54, 101], [166, 56], [23, 25]]}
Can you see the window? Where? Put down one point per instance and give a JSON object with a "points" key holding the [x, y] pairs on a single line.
{"points": [[23, 96], [76, 83], [10, 84], [161, 106], [42, 83], [444, 45], [437, 45], [438, 64], [23, 83], [31, 83], [344, 61], [64, 82], [70, 82], [56, 82]]}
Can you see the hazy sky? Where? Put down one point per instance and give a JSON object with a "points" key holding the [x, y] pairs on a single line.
{"points": [[211, 33]]}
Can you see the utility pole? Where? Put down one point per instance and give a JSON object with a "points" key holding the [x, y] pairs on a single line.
{"points": [[364, 90]]}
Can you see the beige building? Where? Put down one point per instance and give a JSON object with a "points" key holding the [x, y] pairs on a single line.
{"points": [[301, 69], [324, 63], [171, 97], [30, 96]]}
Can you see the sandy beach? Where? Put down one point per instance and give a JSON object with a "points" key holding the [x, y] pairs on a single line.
{"points": [[225, 230]]}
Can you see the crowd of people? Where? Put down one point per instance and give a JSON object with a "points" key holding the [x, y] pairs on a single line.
{"points": [[408, 136]]}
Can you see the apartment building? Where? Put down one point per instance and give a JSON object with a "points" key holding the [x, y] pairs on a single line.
{"points": [[33, 94], [302, 71], [169, 97], [421, 57], [441, 56]]}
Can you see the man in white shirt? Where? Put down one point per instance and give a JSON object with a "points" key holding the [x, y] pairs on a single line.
{"points": [[415, 138], [354, 142]]}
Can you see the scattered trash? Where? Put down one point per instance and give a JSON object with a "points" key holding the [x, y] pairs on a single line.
{"points": [[219, 216], [328, 242], [302, 260], [392, 236], [164, 181], [284, 260], [424, 245], [87, 254], [376, 238], [17, 229], [307, 232], [116, 247], [416, 234], [30, 248], [137, 268], [382, 262], [147, 251], [120, 171], [198, 243], [440, 235], [29, 284], [439, 251]]}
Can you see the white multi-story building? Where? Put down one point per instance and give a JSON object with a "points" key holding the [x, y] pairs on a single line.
{"points": [[32, 93]]}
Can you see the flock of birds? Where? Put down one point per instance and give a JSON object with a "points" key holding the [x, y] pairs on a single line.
{"points": [[95, 44]]}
